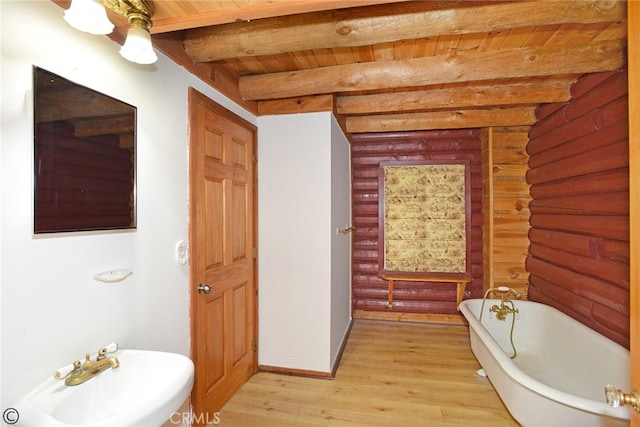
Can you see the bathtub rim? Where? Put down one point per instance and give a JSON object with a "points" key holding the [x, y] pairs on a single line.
{"points": [[530, 383]]}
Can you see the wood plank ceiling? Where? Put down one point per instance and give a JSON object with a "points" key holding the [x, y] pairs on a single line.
{"points": [[394, 65]]}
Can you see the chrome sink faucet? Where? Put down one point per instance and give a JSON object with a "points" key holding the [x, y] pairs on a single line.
{"points": [[81, 372]]}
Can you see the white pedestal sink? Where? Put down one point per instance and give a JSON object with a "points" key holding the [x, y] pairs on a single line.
{"points": [[144, 391]]}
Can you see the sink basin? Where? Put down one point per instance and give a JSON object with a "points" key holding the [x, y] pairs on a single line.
{"points": [[144, 391]]}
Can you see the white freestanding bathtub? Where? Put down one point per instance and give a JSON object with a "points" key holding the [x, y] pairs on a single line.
{"points": [[561, 368]]}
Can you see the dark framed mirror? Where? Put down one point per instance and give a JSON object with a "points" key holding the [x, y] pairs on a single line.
{"points": [[84, 158]]}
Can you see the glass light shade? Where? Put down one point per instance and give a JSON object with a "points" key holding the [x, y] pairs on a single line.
{"points": [[137, 47], [89, 16]]}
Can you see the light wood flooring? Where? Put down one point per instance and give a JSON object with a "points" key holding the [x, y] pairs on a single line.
{"points": [[391, 374]]}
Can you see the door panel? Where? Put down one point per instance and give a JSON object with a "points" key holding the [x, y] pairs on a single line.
{"points": [[222, 237]]}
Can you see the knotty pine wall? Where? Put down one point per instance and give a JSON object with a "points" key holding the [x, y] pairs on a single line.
{"points": [[370, 292], [506, 196], [579, 174]]}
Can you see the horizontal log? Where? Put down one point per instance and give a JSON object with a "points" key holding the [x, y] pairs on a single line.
{"points": [[304, 104], [251, 11], [417, 145], [589, 82], [49, 196], [510, 270], [606, 92], [609, 294], [476, 96], [606, 158], [613, 251], [510, 137], [514, 156], [78, 102], [463, 67], [599, 118], [426, 136], [374, 160], [67, 211], [110, 125], [588, 266], [506, 173], [613, 203], [609, 227], [545, 110], [435, 307], [510, 239], [518, 206], [610, 319], [614, 180], [577, 307], [563, 298], [441, 120], [553, 149], [348, 29], [63, 163]]}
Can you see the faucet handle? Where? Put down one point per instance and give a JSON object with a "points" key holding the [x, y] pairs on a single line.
{"points": [[111, 348], [65, 371], [108, 349]]}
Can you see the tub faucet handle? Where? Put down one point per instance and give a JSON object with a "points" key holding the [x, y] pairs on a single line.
{"points": [[617, 398]]}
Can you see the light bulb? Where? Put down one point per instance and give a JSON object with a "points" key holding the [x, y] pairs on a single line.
{"points": [[137, 47], [89, 16]]}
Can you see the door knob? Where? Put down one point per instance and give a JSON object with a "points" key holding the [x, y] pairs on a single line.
{"points": [[204, 289], [617, 398]]}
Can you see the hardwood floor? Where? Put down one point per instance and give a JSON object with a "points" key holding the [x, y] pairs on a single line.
{"points": [[391, 374]]}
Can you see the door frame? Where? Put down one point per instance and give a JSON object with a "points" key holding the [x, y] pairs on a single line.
{"points": [[633, 64], [195, 96]]}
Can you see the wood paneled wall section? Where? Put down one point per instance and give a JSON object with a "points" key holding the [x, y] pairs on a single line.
{"points": [[506, 197], [368, 150], [579, 174], [83, 183]]}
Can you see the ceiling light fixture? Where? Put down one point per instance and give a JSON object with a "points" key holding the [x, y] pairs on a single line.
{"points": [[83, 15], [88, 16]]}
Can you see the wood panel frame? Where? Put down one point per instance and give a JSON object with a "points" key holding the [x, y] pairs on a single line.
{"points": [[459, 279], [425, 275]]}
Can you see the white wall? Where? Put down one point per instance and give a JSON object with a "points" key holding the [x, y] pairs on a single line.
{"points": [[304, 296], [52, 310], [340, 244]]}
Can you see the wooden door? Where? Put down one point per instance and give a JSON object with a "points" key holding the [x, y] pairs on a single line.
{"points": [[633, 60], [222, 231]]}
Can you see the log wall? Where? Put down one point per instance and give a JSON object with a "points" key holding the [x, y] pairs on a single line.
{"points": [[579, 174], [507, 198], [370, 292], [82, 183]]}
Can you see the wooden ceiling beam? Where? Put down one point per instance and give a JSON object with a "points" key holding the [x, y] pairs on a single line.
{"points": [[253, 10], [465, 97], [304, 104], [464, 66], [106, 125], [340, 29], [458, 119], [77, 103]]}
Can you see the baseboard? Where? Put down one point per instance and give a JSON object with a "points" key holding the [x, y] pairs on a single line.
{"points": [[296, 372], [447, 319], [309, 373], [345, 338]]}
